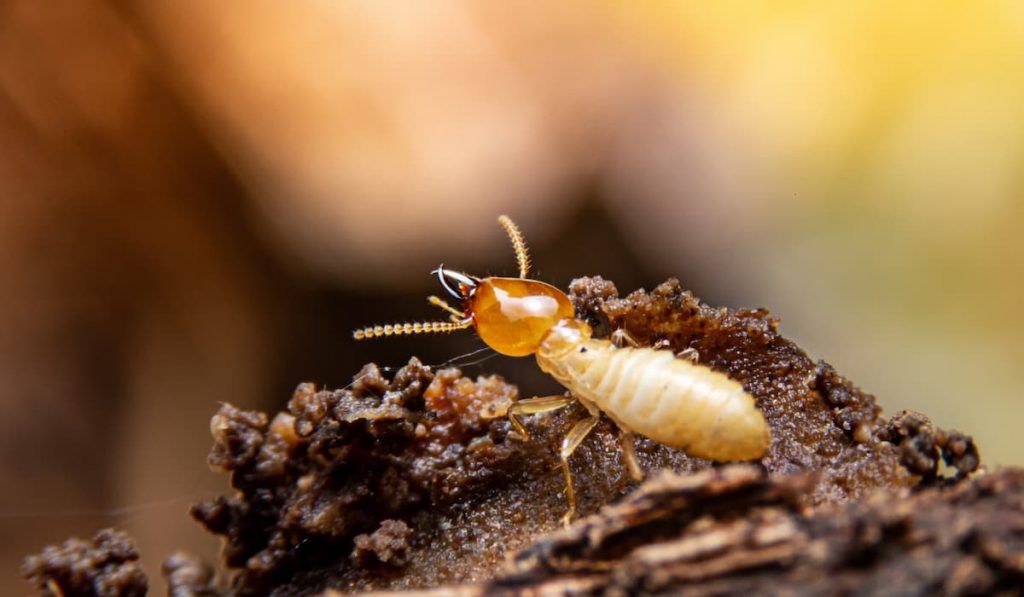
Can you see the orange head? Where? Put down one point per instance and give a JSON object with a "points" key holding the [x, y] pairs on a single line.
{"points": [[511, 315]]}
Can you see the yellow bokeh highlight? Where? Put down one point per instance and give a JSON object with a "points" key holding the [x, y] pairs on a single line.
{"points": [[888, 140]]}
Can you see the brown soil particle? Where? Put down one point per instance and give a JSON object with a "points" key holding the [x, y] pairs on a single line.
{"points": [[387, 545], [105, 566], [922, 446], [189, 576]]}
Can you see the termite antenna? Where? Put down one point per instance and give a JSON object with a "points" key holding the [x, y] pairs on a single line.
{"points": [[522, 255], [403, 329]]}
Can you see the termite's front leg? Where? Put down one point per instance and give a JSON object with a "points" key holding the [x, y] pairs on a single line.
{"points": [[532, 406], [572, 440]]}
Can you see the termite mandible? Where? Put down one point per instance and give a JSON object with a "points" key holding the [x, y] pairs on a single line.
{"points": [[648, 391]]}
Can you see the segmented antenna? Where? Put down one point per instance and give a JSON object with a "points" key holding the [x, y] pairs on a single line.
{"points": [[522, 255], [401, 329]]}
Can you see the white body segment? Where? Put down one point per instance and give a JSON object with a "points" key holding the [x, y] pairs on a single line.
{"points": [[656, 394]]}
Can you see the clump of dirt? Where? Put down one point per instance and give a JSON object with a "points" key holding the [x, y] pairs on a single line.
{"points": [[419, 481], [105, 566], [339, 479], [922, 447], [320, 486], [189, 576], [387, 545]]}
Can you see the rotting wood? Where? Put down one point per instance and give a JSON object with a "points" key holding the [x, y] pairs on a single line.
{"points": [[417, 482]]}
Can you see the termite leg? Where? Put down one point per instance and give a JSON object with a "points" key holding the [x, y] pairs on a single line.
{"points": [[629, 455], [54, 587], [532, 406], [663, 343], [572, 441], [621, 337], [690, 354]]}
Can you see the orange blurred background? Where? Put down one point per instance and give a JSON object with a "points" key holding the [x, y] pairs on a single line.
{"points": [[199, 201]]}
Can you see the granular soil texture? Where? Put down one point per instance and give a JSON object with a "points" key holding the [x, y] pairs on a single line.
{"points": [[105, 566], [419, 481]]}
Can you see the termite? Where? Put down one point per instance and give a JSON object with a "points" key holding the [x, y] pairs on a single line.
{"points": [[671, 400]]}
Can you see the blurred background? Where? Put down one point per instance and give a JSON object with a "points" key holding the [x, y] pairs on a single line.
{"points": [[199, 201]]}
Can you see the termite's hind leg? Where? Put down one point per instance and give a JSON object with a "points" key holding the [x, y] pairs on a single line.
{"points": [[572, 440], [629, 455], [532, 406]]}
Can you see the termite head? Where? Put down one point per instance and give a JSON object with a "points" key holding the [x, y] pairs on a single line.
{"points": [[511, 315]]}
